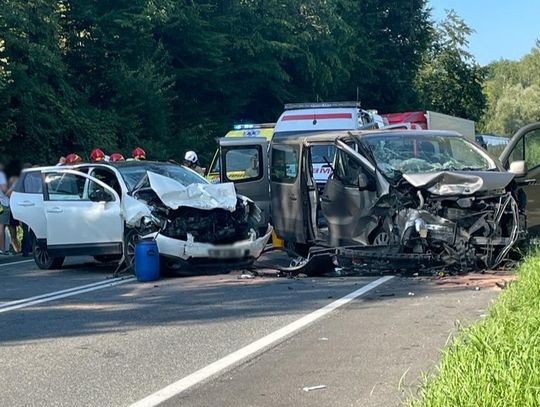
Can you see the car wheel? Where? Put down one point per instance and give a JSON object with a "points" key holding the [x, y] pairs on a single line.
{"points": [[130, 240], [43, 259]]}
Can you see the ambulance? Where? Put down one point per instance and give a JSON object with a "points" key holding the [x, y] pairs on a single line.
{"points": [[242, 157], [238, 161]]}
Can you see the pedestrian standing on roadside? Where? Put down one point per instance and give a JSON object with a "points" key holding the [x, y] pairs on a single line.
{"points": [[32, 185], [13, 223], [4, 208]]}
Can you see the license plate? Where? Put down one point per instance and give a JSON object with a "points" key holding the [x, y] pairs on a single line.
{"points": [[226, 253]]}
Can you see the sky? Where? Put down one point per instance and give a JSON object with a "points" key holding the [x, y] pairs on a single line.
{"points": [[504, 29]]}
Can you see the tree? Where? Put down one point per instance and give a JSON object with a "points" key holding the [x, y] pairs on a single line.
{"points": [[449, 80], [513, 93], [390, 39]]}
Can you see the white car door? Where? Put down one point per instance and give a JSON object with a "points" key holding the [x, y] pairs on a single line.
{"points": [[81, 212], [26, 202]]}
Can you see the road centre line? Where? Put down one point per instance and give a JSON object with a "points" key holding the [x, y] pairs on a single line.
{"points": [[27, 302], [241, 354]]}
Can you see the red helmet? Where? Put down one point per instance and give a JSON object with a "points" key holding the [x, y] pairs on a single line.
{"points": [[73, 158], [116, 157], [138, 153], [97, 155]]}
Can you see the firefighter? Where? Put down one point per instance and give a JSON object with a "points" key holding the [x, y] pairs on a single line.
{"points": [[72, 159], [97, 155], [192, 161], [138, 154], [116, 157]]}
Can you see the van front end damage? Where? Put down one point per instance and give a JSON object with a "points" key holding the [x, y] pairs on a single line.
{"points": [[443, 224]]}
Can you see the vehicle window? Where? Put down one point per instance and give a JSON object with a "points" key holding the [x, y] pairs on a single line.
{"points": [[426, 153], [347, 169], [65, 187], [322, 151], [517, 152], [243, 163], [32, 183], [284, 163], [532, 148], [107, 177]]}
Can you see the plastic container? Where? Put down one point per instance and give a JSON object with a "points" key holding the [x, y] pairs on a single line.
{"points": [[146, 260]]}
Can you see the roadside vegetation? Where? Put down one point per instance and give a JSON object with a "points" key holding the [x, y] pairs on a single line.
{"points": [[495, 362]]}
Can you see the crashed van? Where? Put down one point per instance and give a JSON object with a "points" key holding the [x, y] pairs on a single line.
{"points": [[102, 210], [412, 197]]}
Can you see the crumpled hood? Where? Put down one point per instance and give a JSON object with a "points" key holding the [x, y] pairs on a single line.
{"points": [[200, 196], [459, 183]]}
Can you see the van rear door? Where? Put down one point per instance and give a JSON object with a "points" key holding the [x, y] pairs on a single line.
{"points": [[244, 161]]}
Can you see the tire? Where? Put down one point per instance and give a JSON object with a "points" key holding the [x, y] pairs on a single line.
{"points": [[42, 258], [130, 239]]}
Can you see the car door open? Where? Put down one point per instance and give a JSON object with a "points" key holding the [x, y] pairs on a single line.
{"points": [[348, 198], [244, 161], [525, 146], [82, 214]]}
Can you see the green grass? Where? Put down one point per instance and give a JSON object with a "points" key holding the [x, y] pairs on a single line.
{"points": [[495, 362]]}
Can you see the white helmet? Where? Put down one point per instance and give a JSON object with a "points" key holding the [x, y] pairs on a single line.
{"points": [[191, 156]]}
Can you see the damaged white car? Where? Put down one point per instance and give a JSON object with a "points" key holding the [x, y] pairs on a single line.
{"points": [[101, 210]]}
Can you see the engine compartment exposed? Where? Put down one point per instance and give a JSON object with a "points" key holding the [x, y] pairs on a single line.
{"points": [[217, 226], [479, 231]]}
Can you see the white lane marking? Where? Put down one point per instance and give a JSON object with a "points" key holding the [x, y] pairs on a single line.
{"points": [[46, 295], [212, 369], [13, 263], [68, 294]]}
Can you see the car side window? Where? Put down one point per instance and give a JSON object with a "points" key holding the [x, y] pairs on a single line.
{"points": [[531, 142], [32, 183], [107, 177], [284, 163], [348, 169], [69, 187], [243, 163]]}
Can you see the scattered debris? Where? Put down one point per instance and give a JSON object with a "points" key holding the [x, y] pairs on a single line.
{"points": [[319, 387], [301, 275], [411, 294]]}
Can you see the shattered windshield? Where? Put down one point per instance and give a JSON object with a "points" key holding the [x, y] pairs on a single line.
{"points": [[399, 154], [133, 174]]}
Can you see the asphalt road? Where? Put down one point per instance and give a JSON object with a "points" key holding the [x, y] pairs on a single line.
{"points": [[117, 345]]}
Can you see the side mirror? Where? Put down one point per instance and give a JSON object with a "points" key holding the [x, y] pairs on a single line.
{"points": [[362, 182], [100, 195], [518, 168]]}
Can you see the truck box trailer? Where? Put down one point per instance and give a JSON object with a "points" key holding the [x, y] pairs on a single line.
{"points": [[434, 121]]}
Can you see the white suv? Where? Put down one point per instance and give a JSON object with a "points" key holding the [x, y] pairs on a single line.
{"points": [[101, 210]]}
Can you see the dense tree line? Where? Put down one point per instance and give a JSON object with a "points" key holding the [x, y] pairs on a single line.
{"points": [[174, 74], [513, 92]]}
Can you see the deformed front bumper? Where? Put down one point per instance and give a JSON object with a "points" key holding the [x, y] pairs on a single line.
{"points": [[189, 249]]}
